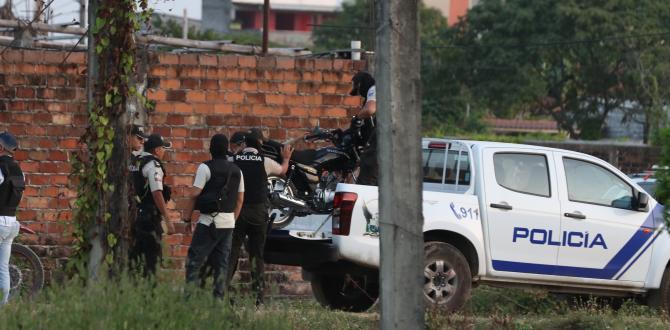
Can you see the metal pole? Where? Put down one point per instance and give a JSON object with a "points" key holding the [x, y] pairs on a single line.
{"points": [[266, 25], [184, 30], [400, 181], [82, 13]]}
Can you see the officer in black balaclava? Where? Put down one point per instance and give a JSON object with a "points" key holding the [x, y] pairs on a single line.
{"points": [[363, 85]]}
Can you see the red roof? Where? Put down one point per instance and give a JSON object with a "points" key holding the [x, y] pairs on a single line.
{"points": [[522, 125]]}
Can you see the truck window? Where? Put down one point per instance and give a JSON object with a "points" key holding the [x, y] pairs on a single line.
{"points": [[458, 167], [433, 165], [594, 184], [523, 173]]}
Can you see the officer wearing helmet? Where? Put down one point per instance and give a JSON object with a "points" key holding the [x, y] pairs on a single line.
{"points": [[363, 85], [12, 185]]}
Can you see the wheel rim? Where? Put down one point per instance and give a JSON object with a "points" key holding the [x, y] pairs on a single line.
{"points": [[440, 282], [279, 216], [22, 276]]}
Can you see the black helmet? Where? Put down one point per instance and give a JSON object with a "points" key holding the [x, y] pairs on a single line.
{"points": [[8, 141], [362, 83]]}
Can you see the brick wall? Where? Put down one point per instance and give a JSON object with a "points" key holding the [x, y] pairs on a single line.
{"points": [[42, 101]]}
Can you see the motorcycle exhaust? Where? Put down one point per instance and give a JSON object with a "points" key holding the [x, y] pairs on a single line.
{"points": [[280, 200]]}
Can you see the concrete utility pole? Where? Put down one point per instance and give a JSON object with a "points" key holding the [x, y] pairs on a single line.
{"points": [[266, 25], [398, 85]]}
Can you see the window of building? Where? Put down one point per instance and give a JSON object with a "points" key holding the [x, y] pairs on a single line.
{"points": [[285, 21]]}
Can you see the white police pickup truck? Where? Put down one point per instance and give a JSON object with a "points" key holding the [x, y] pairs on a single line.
{"points": [[507, 215]]}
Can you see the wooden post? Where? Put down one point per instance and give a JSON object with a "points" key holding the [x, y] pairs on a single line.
{"points": [[266, 25], [400, 181], [184, 30]]}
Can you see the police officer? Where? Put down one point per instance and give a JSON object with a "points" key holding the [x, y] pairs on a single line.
{"points": [[253, 220], [218, 194], [12, 184], [152, 216], [363, 85], [136, 142]]}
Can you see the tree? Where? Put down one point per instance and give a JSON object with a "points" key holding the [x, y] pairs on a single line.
{"points": [[573, 60]]}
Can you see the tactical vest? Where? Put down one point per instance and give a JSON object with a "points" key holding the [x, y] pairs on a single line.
{"points": [[219, 194], [142, 189], [12, 187], [255, 178]]}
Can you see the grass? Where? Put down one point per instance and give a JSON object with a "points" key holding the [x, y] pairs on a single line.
{"points": [[126, 304]]}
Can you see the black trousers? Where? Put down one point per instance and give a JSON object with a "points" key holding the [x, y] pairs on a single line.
{"points": [[252, 224], [369, 168], [212, 245], [146, 251]]}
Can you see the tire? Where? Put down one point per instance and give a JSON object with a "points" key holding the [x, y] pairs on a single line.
{"points": [[447, 277], [345, 292], [660, 298], [26, 272], [282, 217]]}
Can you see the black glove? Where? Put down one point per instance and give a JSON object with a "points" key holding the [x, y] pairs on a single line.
{"points": [[167, 193], [356, 122]]}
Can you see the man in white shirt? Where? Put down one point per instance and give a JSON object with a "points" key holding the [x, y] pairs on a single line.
{"points": [[218, 193], [12, 185]]}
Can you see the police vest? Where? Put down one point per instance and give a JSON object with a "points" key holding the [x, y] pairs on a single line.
{"points": [[255, 179], [142, 189], [220, 192], [12, 187]]}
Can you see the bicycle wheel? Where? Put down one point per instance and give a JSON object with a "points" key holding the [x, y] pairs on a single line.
{"points": [[26, 272]]}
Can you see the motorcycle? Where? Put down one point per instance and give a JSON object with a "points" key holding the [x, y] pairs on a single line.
{"points": [[26, 271], [313, 175]]}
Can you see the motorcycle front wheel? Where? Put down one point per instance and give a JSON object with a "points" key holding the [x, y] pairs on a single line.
{"points": [[280, 217], [26, 272]]}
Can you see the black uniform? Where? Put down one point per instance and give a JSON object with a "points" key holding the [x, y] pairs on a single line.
{"points": [[146, 230], [253, 219], [211, 244], [12, 187]]}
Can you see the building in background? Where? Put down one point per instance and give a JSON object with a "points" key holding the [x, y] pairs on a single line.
{"points": [[217, 15], [452, 9]]}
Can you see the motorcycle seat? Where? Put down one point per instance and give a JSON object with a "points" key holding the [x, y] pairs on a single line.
{"points": [[307, 169]]}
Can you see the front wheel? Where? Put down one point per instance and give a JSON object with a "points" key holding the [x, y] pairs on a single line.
{"points": [[447, 277], [352, 293], [25, 271]]}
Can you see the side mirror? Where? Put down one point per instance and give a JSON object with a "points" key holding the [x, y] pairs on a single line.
{"points": [[642, 201]]}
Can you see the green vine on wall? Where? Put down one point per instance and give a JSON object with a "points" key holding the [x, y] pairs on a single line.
{"points": [[113, 30]]}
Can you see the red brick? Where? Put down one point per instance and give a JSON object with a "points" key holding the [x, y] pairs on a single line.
{"points": [[214, 120], [247, 61], [229, 85], [262, 110], [189, 83], [158, 71], [274, 99], [234, 97], [232, 74], [285, 63], [299, 112], [249, 86], [188, 59], [29, 167], [223, 108], [12, 56], [170, 83], [288, 87], [193, 144], [38, 202], [195, 96], [183, 107], [156, 94], [164, 107], [228, 60], [256, 98], [204, 108], [57, 155], [209, 60], [270, 122], [211, 84], [69, 143], [360, 65], [323, 64], [266, 63], [166, 58], [331, 99], [25, 93], [60, 179], [214, 96], [242, 109], [335, 112], [313, 99], [252, 74], [179, 132], [292, 123], [176, 95], [304, 64], [174, 119], [352, 101]]}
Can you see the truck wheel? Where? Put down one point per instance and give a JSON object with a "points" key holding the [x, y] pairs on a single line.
{"points": [[345, 292], [660, 298], [447, 277]]}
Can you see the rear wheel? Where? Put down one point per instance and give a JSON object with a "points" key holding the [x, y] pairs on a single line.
{"points": [[447, 277], [352, 293], [26, 272], [280, 217]]}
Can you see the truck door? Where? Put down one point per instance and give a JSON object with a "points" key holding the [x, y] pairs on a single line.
{"points": [[604, 238], [522, 211]]}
